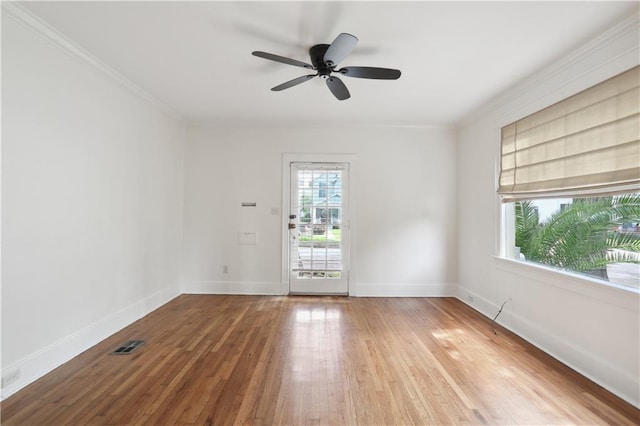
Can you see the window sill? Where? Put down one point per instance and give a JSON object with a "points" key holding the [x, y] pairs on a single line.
{"points": [[623, 296]]}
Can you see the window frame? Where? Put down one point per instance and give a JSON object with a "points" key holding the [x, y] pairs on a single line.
{"points": [[506, 261]]}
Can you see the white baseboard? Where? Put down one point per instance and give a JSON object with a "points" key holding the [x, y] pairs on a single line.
{"points": [[356, 290], [625, 384], [482, 305], [402, 290], [232, 287], [50, 357]]}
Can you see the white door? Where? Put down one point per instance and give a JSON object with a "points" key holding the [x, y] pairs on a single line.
{"points": [[318, 229]]}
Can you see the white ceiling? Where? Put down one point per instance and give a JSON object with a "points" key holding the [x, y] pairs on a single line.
{"points": [[454, 56]]}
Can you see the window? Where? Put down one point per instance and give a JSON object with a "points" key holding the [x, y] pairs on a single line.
{"points": [[599, 237], [322, 191], [570, 181]]}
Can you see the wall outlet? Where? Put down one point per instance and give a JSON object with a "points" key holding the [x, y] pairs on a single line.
{"points": [[225, 269], [10, 377]]}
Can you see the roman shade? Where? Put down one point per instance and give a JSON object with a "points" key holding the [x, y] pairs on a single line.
{"points": [[585, 145]]}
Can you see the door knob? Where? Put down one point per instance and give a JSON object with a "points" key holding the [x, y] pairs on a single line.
{"points": [[292, 226]]}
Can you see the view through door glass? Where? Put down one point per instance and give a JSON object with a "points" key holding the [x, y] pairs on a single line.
{"points": [[318, 236]]}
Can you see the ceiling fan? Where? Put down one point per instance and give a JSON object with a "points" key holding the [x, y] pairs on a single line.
{"points": [[325, 58]]}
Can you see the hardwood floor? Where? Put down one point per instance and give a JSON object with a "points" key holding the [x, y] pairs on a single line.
{"points": [[315, 360]]}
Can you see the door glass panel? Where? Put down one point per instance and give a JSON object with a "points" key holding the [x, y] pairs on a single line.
{"points": [[317, 241]]}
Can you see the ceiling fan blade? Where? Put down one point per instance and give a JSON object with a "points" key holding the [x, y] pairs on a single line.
{"points": [[293, 82], [340, 48], [277, 58], [370, 72], [338, 88]]}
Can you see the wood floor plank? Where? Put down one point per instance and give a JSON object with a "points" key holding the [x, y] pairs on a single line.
{"points": [[258, 360]]}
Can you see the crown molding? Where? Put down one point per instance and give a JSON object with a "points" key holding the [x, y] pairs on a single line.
{"points": [[23, 16], [623, 36], [281, 124]]}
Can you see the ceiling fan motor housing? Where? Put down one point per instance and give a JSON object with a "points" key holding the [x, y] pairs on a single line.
{"points": [[325, 58], [316, 53]]}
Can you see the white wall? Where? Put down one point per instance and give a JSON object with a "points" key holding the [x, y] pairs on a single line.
{"points": [[591, 327], [402, 200], [92, 205]]}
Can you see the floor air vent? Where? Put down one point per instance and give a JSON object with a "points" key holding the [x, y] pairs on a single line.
{"points": [[128, 347]]}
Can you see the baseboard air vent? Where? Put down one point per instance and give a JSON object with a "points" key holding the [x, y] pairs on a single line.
{"points": [[128, 347]]}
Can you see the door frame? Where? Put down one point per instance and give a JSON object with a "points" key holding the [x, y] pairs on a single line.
{"points": [[287, 159]]}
